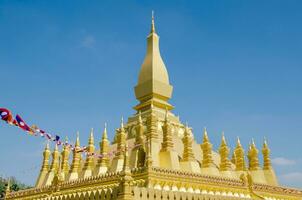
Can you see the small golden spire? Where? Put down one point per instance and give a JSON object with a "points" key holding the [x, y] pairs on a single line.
{"points": [[91, 138], [253, 156], [206, 147], [77, 144], [167, 143], [122, 123], [65, 158], [105, 136], [152, 23], [187, 140], [104, 149], [238, 142], [224, 151], [55, 159], [239, 155], [76, 160], [223, 141], [89, 163], [266, 156]]}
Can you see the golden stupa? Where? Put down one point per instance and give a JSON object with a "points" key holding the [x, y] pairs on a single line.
{"points": [[155, 156]]}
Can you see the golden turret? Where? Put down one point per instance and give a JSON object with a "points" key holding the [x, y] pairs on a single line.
{"points": [[239, 155], [89, 163], [224, 150], [45, 166], [253, 157], [167, 144], [65, 158], [266, 156], [206, 147], [76, 160], [188, 154]]}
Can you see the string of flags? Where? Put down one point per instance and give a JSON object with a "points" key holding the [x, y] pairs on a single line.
{"points": [[7, 116]]}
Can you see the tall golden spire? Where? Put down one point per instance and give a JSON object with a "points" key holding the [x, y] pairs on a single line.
{"points": [[153, 82], [224, 151], [266, 156], [253, 157], [187, 140], [206, 147], [239, 155]]}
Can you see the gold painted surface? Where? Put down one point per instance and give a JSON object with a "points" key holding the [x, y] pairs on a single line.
{"points": [[165, 161]]}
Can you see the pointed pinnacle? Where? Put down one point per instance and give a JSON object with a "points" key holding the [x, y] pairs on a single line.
{"points": [[105, 132], [122, 123], [223, 140], [77, 144], [253, 145], [152, 23], [238, 142], [205, 134], [91, 138], [47, 146], [265, 143]]}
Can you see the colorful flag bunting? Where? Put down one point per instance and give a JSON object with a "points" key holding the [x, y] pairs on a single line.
{"points": [[23, 125]]}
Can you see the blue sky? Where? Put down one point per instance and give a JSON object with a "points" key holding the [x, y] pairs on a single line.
{"points": [[236, 67]]}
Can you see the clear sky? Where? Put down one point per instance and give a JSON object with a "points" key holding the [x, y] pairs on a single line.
{"points": [[236, 66]]}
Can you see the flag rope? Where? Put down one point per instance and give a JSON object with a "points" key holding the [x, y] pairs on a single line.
{"points": [[34, 130]]}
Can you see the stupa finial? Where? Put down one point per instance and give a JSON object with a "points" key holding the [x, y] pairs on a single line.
{"points": [[122, 123], [77, 144], [91, 137], [152, 23], [105, 132]]}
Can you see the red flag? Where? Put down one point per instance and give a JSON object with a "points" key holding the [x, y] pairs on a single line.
{"points": [[6, 115], [23, 125]]}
